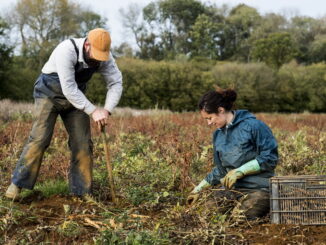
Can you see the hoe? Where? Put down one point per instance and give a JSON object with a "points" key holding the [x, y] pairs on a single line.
{"points": [[108, 164]]}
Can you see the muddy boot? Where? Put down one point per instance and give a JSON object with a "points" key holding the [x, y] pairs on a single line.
{"points": [[255, 204], [13, 192]]}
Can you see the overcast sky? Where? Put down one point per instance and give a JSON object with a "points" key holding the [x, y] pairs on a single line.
{"points": [[110, 10]]}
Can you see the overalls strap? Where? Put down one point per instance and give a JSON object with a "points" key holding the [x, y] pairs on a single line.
{"points": [[76, 49]]}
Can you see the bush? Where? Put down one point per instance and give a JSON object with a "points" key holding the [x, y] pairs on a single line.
{"points": [[255, 84], [168, 85], [178, 85], [19, 83], [302, 88]]}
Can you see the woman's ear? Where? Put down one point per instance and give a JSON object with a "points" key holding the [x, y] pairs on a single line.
{"points": [[220, 110]]}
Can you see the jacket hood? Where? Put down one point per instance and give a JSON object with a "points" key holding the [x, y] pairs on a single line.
{"points": [[239, 116]]}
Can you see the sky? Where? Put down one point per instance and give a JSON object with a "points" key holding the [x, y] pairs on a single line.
{"points": [[110, 10]]}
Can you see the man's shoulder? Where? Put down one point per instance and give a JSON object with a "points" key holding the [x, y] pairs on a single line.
{"points": [[64, 43], [78, 41], [68, 44], [66, 49]]}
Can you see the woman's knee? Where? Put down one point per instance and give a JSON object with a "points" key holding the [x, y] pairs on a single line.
{"points": [[255, 204]]}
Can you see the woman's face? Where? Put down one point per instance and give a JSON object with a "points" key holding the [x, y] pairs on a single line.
{"points": [[218, 119]]}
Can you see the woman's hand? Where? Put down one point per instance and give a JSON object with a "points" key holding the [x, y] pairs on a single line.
{"points": [[231, 178], [249, 168], [192, 198]]}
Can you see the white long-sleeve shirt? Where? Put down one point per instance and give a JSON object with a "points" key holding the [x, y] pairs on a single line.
{"points": [[63, 60]]}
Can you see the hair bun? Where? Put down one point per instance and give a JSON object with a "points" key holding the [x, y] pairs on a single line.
{"points": [[212, 100], [230, 95], [219, 90]]}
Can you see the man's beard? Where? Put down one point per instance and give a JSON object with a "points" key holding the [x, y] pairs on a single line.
{"points": [[90, 62]]}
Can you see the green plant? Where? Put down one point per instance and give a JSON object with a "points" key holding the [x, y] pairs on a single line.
{"points": [[49, 188], [122, 237], [69, 228], [142, 169]]}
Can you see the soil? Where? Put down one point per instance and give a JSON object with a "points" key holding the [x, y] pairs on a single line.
{"points": [[44, 217], [50, 214], [271, 234]]}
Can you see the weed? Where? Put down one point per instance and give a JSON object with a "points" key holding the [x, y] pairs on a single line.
{"points": [[122, 237], [297, 156], [69, 229], [142, 169]]}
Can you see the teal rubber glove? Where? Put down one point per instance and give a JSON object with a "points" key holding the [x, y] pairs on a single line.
{"points": [[194, 196], [249, 168], [203, 184]]}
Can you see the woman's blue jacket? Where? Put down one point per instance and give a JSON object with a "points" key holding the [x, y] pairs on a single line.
{"points": [[243, 140]]}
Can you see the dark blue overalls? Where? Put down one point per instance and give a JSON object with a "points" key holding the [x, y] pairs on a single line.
{"points": [[50, 102]]}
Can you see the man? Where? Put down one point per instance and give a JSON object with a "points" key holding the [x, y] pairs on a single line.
{"points": [[59, 90]]}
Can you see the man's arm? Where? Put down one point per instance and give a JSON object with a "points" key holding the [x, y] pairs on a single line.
{"points": [[65, 60], [113, 79]]}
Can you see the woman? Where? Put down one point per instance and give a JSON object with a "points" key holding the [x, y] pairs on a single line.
{"points": [[245, 152]]}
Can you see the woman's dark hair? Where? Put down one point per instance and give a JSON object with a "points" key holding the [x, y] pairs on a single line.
{"points": [[212, 100]]}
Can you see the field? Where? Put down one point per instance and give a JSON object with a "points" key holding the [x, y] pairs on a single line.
{"points": [[158, 157]]}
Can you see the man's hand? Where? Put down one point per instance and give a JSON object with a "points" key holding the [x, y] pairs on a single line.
{"points": [[100, 116], [192, 198], [231, 177]]}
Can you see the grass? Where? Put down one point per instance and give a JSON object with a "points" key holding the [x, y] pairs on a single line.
{"points": [[48, 188]]}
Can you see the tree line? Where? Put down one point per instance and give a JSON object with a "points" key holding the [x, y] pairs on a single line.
{"points": [[178, 85], [184, 48], [165, 29]]}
